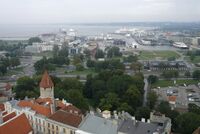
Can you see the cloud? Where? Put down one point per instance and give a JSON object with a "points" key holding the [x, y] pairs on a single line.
{"points": [[61, 11]]}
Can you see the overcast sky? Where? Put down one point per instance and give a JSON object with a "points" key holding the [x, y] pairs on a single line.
{"points": [[84, 11]]}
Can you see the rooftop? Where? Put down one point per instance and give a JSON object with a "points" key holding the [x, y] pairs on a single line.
{"points": [[17, 125], [46, 81], [67, 118], [137, 127], [98, 125]]}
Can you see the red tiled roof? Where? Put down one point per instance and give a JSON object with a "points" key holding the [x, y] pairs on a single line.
{"points": [[4, 113], [2, 107], [44, 100], [8, 86], [46, 81], [66, 118], [17, 125], [9, 116], [72, 108], [40, 109], [172, 98]]}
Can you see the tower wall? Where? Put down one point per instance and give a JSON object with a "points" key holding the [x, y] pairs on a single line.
{"points": [[47, 92]]}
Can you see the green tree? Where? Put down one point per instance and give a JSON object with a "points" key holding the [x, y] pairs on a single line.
{"points": [[131, 58], [187, 74], [187, 123], [76, 98], [142, 112], [64, 52], [33, 40], [114, 52], [99, 54], [109, 102], [26, 86], [125, 107], [193, 108], [133, 97], [55, 50], [164, 107], [196, 74], [151, 98], [152, 79], [136, 66]]}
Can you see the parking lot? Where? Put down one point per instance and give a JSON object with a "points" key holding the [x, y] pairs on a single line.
{"points": [[184, 95]]}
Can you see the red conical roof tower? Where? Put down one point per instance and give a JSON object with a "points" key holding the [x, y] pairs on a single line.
{"points": [[46, 81]]}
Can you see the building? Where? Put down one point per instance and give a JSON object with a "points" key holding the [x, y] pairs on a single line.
{"points": [[157, 124], [11, 123], [6, 93], [47, 115], [93, 124]]}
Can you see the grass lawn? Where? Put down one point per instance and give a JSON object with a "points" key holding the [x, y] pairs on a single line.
{"points": [[195, 61], [149, 55], [84, 72], [166, 83], [14, 71], [46, 54]]}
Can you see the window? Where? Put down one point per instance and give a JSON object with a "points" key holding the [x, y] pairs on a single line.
{"points": [[52, 126], [48, 125], [56, 127], [64, 130], [71, 132]]}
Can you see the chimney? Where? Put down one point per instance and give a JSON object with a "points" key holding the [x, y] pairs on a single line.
{"points": [[143, 120], [134, 121], [53, 106]]}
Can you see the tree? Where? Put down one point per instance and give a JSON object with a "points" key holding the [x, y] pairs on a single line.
{"points": [[151, 98], [168, 74], [90, 63], [76, 98], [26, 86], [114, 52], [33, 40], [87, 53], [193, 108], [14, 62], [136, 66], [3, 69], [71, 83], [187, 74], [99, 54], [173, 58], [64, 52], [142, 112], [125, 107], [131, 58], [196, 74], [133, 97], [55, 50], [187, 123], [77, 59], [79, 67], [164, 107], [152, 79], [109, 102]]}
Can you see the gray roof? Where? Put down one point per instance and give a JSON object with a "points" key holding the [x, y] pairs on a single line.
{"points": [[131, 127], [98, 125]]}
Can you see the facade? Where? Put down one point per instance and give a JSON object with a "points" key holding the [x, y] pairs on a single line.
{"points": [[11, 123], [6, 93], [46, 114]]}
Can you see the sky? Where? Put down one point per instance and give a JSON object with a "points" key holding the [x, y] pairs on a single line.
{"points": [[101, 11]]}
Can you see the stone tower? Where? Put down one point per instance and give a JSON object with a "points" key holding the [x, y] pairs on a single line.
{"points": [[46, 86]]}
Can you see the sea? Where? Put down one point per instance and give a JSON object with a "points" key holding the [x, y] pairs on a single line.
{"points": [[25, 31]]}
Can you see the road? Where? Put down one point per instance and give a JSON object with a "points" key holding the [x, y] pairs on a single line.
{"points": [[145, 92]]}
